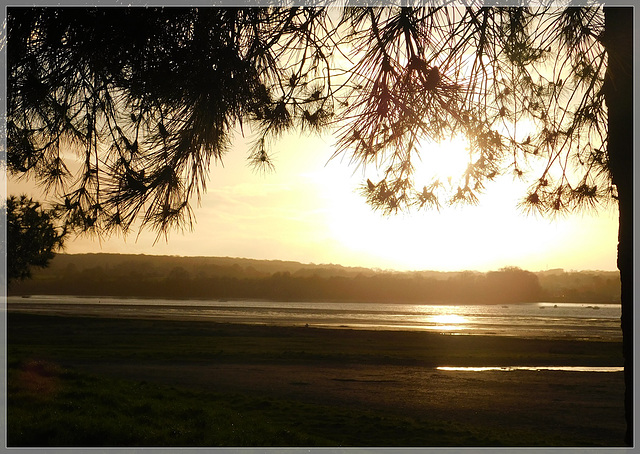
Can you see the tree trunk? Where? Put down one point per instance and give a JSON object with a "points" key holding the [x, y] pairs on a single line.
{"points": [[618, 90]]}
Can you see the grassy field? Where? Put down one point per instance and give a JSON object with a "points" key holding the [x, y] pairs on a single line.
{"points": [[76, 381], [51, 406]]}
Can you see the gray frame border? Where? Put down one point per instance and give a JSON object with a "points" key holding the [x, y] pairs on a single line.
{"points": [[318, 3]]}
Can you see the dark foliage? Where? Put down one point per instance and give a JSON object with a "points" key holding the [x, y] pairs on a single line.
{"points": [[128, 133], [227, 278], [32, 237], [152, 109]]}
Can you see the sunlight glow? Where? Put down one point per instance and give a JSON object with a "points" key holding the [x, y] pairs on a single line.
{"points": [[445, 161], [310, 210], [449, 319]]}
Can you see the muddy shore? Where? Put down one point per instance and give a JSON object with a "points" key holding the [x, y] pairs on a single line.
{"points": [[391, 372]]}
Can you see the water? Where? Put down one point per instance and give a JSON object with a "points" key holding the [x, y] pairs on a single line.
{"points": [[535, 368], [547, 320]]}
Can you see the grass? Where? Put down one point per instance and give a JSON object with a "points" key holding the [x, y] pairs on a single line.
{"points": [[53, 401], [53, 406]]}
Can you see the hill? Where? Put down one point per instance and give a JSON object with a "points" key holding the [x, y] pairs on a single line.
{"points": [[231, 277]]}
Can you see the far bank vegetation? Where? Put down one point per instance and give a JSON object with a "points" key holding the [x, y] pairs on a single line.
{"points": [[122, 275]]}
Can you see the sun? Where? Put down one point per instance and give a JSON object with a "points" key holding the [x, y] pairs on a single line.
{"points": [[445, 162]]}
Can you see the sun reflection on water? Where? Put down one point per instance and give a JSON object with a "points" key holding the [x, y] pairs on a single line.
{"points": [[448, 322], [534, 368]]}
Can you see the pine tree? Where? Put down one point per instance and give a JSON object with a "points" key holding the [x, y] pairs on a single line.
{"points": [[33, 237]]}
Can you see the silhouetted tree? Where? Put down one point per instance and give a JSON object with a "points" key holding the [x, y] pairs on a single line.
{"points": [[512, 284], [33, 237], [150, 110]]}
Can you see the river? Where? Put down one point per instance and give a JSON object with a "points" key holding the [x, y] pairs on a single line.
{"points": [[561, 320]]}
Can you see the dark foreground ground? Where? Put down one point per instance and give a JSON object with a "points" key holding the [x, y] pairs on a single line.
{"points": [[79, 381]]}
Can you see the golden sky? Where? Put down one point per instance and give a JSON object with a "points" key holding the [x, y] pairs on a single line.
{"points": [[309, 210]]}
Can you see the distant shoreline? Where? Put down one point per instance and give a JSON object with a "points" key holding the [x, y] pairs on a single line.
{"points": [[218, 278], [335, 301]]}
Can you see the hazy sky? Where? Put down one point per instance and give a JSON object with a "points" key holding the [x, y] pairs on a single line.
{"points": [[309, 210]]}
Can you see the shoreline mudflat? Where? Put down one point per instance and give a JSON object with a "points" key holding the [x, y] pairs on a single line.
{"points": [[390, 372], [578, 323]]}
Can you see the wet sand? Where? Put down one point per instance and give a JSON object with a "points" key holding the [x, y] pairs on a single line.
{"points": [[393, 372]]}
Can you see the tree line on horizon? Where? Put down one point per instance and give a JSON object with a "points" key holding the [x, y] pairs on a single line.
{"points": [[230, 278]]}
